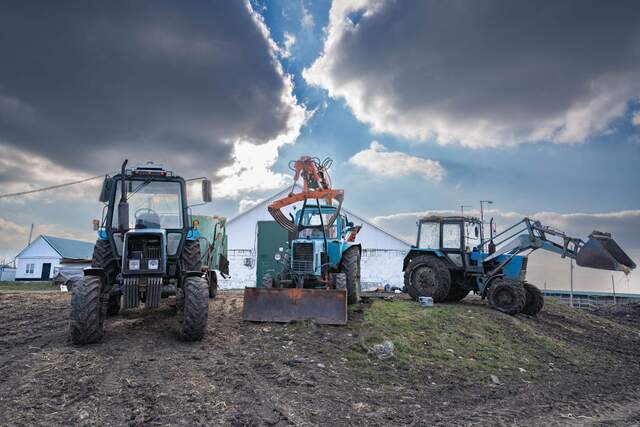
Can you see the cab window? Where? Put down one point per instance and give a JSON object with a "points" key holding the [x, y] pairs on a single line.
{"points": [[429, 235], [451, 236]]}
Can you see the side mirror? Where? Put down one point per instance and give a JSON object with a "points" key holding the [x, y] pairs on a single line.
{"points": [[96, 224], [105, 191], [207, 192]]}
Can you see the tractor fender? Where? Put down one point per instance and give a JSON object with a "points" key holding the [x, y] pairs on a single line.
{"points": [[417, 252], [347, 246]]}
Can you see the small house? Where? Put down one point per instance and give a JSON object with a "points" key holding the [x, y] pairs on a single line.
{"points": [[42, 259]]}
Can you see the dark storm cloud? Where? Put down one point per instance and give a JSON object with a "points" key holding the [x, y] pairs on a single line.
{"points": [[483, 72], [87, 83]]}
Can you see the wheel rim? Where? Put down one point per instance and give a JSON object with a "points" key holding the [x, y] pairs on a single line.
{"points": [[423, 279], [504, 298]]}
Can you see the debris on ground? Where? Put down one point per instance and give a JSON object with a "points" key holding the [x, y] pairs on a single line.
{"points": [[383, 351]]}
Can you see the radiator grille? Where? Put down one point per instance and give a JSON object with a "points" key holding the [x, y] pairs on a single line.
{"points": [[302, 258]]}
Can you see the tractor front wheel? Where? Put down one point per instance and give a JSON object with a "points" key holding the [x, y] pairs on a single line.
{"points": [[190, 259], [86, 311], [350, 266], [195, 308], [534, 300], [507, 296], [427, 276]]}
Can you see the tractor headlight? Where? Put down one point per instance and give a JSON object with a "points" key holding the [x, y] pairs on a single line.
{"points": [[134, 264], [153, 264], [277, 257]]}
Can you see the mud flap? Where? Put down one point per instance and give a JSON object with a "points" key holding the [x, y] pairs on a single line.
{"points": [[602, 252], [324, 306]]}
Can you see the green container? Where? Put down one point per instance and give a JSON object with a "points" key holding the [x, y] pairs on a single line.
{"points": [[271, 237], [213, 239]]}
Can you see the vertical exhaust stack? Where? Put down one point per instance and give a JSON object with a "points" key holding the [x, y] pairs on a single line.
{"points": [[123, 205], [602, 252]]}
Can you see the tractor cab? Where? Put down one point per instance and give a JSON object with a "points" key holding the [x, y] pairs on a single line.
{"points": [[459, 239]]}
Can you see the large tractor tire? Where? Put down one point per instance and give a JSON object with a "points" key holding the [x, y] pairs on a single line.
{"points": [[457, 293], [190, 259], [104, 258], [86, 311], [340, 280], [350, 266], [267, 281], [534, 300], [427, 276], [194, 308], [507, 296]]}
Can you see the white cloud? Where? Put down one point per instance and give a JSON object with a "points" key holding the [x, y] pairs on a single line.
{"points": [[289, 41], [636, 118], [496, 80], [246, 204], [307, 18], [377, 160]]}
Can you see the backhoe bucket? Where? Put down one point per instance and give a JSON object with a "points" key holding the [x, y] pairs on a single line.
{"points": [[324, 306], [602, 252]]}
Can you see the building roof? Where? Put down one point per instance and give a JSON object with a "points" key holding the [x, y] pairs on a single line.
{"points": [[286, 191], [67, 248]]}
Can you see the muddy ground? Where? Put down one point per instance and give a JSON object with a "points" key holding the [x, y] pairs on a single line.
{"points": [[305, 374]]}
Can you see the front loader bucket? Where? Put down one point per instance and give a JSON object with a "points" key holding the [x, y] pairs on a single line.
{"points": [[602, 252], [324, 306]]}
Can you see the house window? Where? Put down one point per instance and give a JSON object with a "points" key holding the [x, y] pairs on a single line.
{"points": [[30, 268]]}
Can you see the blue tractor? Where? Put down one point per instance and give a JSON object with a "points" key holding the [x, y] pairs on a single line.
{"points": [[452, 258], [147, 248], [321, 266]]}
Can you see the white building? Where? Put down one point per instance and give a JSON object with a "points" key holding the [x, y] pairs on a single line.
{"points": [[43, 257], [382, 255]]}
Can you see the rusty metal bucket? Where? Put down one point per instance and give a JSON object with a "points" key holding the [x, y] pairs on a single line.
{"points": [[602, 252], [324, 306]]}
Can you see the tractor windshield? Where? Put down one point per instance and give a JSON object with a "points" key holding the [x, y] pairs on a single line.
{"points": [[429, 235], [311, 222], [152, 204]]}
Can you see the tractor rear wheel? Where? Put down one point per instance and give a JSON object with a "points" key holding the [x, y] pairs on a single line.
{"points": [[195, 308], [350, 266], [190, 259], [267, 281], [507, 296], [427, 276], [457, 293], [104, 258], [86, 311], [534, 300]]}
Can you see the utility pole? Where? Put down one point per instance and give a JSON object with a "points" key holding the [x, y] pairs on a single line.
{"points": [[571, 283], [613, 285], [462, 209], [30, 235], [482, 202]]}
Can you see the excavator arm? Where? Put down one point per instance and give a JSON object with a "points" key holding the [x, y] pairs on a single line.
{"points": [[316, 185], [600, 251]]}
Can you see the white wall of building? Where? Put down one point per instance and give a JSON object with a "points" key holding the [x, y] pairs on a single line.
{"points": [[38, 253]]}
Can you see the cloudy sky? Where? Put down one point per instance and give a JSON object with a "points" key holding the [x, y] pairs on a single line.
{"points": [[423, 105]]}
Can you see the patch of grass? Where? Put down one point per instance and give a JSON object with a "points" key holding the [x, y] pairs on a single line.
{"points": [[466, 339], [27, 286]]}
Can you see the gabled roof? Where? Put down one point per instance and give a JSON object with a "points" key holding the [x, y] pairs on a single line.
{"points": [[286, 190], [66, 248]]}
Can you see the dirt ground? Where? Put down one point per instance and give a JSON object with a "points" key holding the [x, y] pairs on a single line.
{"points": [[305, 374]]}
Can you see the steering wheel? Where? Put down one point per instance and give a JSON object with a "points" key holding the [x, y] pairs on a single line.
{"points": [[146, 210]]}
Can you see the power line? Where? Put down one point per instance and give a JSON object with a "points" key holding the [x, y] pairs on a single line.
{"points": [[53, 187]]}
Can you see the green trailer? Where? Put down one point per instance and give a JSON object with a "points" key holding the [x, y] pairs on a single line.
{"points": [[212, 235], [271, 237]]}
